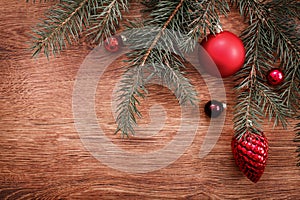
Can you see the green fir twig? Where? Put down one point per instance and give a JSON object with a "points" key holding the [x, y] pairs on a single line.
{"points": [[63, 25], [155, 56], [66, 21], [105, 23], [265, 42]]}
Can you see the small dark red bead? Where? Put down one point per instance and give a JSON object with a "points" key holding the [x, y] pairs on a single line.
{"points": [[275, 76], [112, 44], [213, 108]]}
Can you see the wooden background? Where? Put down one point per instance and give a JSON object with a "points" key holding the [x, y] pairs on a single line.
{"points": [[43, 157]]}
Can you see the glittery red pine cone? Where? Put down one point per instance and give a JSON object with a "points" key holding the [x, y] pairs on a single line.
{"points": [[250, 154]]}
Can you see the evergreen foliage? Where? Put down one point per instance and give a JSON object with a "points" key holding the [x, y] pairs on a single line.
{"points": [[172, 28], [271, 37], [66, 21]]}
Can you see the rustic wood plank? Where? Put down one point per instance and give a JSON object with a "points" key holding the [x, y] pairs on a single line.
{"points": [[43, 157]]}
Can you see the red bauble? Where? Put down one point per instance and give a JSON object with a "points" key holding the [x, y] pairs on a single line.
{"points": [[112, 44], [227, 51], [250, 154], [275, 77]]}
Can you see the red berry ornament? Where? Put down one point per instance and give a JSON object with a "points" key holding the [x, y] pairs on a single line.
{"points": [[112, 44], [275, 77], [227, 51], [250, 154]]}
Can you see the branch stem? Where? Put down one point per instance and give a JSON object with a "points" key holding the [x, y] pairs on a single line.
{"points": [[158, 36]]}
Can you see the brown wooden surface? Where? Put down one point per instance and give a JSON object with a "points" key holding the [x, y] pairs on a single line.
{"points": [[43, 157]]}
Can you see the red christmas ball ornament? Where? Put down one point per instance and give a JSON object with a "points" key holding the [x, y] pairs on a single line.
{"points": [[227, 51], [251, 154], [275, 76], [112, 44]]}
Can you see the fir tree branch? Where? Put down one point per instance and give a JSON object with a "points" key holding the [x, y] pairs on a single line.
{"points": [[272, 105], [64, 23], [206, 15], [258, 99], [193, 19], [132, 88], [104, 23], [153, 51], [158, 36], [245, 118], [269, 40], [181, 86], [288, 51], [278, 16]]}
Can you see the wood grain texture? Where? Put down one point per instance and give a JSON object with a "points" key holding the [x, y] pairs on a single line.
{"points": [[42, 156]]}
